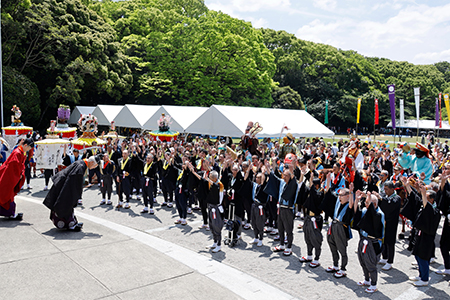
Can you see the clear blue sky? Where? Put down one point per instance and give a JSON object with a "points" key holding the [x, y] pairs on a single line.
{"points": [[403, 30]]}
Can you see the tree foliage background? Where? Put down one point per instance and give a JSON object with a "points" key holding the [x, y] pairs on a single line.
{"points": [[89, 52]]}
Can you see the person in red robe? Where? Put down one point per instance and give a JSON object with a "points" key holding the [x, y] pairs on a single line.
{"points": [[12, 177]]}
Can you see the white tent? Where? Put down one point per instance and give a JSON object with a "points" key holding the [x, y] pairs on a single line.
{"points": [[423, 124], [232, 121], [106, 113], [78, 111], [181, 116], [135, 116]]}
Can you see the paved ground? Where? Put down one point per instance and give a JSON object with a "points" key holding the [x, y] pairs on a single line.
{"points": [[127, 255]]}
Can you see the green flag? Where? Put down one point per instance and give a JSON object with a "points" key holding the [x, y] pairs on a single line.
{"points": [[326, 112]]}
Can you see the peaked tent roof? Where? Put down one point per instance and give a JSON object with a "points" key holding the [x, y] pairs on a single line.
{"points": [[232, 121], [78, 111], [135, 116], [181, 116], [106, 113]]}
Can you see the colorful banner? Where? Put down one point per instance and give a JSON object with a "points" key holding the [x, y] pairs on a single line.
{"points": [[402, 113], [326, 112], [377, 114], [417, 98], [437, 113], [391, 92], [358, 111], [440, 111], [447, 106]]}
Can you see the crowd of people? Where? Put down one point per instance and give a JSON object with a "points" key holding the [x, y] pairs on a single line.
{"points": [[357, 187]]}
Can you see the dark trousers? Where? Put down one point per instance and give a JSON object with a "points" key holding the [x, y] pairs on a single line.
{"points": [[147, 191], [388, 252], [124, 188], [181, 202], [445, 251], [424, 268], [95, 171], [106, 186], [8, 212], [167, 189], [47, 175], [272, 208], [28, 174], [286, 224], [203, 207]]}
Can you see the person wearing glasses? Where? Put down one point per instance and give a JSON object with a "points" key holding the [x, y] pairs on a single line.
{"points": [[384, 177], [339, 231]]}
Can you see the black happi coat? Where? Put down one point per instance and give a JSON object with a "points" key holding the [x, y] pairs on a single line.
{"points": [[444, 205], [66, 190], [391, 209]]}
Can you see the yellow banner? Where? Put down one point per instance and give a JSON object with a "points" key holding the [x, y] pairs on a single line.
{"points": [[358, 110], [447, 106]]}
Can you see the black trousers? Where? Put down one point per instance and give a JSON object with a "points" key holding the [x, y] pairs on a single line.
{"points": [[389, 252], [286, 224], [47, 175]]}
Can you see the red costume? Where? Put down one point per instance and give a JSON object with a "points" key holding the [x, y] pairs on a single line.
{"points": [[12, 177]]}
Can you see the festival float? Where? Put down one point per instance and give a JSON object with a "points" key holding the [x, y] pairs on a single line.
{"points": [[62, 128], [88, 126], [113, 133], [12, 133], [49, 151], [164, 133]]}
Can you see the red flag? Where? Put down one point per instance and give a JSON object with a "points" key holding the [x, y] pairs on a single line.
{"points": [[376, 112]]}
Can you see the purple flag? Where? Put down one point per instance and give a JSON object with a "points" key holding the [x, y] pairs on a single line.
{"points": [[438, 118], [391, 92]]}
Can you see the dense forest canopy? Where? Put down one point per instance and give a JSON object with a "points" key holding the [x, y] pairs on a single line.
{"points": [[88, 52]]}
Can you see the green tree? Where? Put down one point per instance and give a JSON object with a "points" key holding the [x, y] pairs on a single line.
{"points": [[21, 91], [285, 97]]}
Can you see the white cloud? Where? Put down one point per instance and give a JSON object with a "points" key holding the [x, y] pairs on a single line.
{"points": [[427, 57], [257, 23], [325, 4], [413, 29], [257, 5]]}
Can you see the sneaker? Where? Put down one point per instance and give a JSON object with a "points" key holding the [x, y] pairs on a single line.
{"points": [[144, 210], [154, 200], [247, 226], [371, 289], [183, 222], [287, 252], [151, 211], [340, 274], [332, 269], [80, 202], [276, 238], [119, 205], [314, 264], [300, 226], [196, 208], [109, 202], [363, 283], [212, 246], [89, 185], [28, 187], [443, 272], [386, 267], [433, 260], [259, 243], [414, 263], [189, 210], [305, 259], [274, 232], [268, 229], [420, 283], [217, 249], [238, 237], [169, 205], [207, 227], [127, 205], [382, 261], [298, 215], [102, 202], [164, 203], [414, 278], [255, 241], [278, 248], [202, 226], [178, 221]]}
